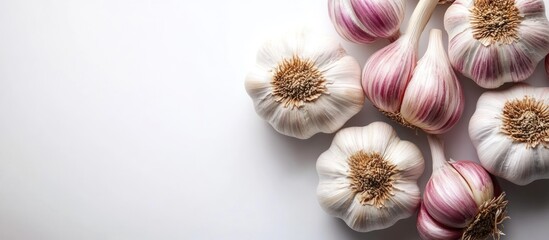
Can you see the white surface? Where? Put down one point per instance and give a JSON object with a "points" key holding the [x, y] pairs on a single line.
{"points": [[126, 119]]}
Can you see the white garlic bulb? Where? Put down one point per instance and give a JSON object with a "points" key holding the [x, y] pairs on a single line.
{"points": [[497, 41], [304, 84], [368, 177], [363, 21], [510, 131], [433, 100]]}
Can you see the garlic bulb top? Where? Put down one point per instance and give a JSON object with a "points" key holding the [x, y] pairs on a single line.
{"points": [[510, 131], [433, 100], [388, 71], [497, 41], [461, 201], [368, 177], [304, 84], [363, 21]]}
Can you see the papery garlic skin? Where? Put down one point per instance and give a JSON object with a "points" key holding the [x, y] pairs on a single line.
{"points": [[305, 83], [429, 228], [521, 41], [388, 71], [433, 100], [460, 199], [368, 210], [363, 21], [503, 155]]}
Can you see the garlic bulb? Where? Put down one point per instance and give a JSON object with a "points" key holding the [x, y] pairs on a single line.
{"points": [[510, 131], [497, 41], [433, 100], [388, 71], [363, 21], [460, 200], [304, 83], [368, 177]]}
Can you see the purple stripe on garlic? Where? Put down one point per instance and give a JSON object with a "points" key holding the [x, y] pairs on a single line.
{"points": [[388, 71], [368, 177], [461, 201], [433, 100], [363, 21], [497, 41]]}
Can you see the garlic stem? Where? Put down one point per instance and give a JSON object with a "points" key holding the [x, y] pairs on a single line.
{"points": [[435, 43], [437, 152], [421, 15]]}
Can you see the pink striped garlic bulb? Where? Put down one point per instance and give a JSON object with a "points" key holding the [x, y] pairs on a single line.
{"points": [[364, 21], [497, 41], [433, 100], [388, 71], [461, 200]]}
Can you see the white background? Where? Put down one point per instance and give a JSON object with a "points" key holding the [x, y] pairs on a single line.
{"points": [[126, 119]]}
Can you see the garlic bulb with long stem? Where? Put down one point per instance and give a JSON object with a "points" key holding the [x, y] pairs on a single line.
{"points": [[461, 200], [364, 21], [510, 131], [305, 83], [368, 177], [433, 100], [497, 41], [388, 71]]}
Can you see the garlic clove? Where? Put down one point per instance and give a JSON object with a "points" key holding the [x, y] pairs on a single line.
{"points": [[524, 170], [361, 183], [363, 21], [334, 196], [448, 198], [479, 181], [305, 83], [383, 83], [492, 51], [402, 204], [381, 17], [409, 167], [433, 100], [429, 228]]}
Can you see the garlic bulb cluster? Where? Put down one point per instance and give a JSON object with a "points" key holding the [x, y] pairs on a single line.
{"points": [[387, 72], [497, 41], [433, 99], [304, 84], [461, 200], [364, 21], [368, 177], [510, 131]]}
